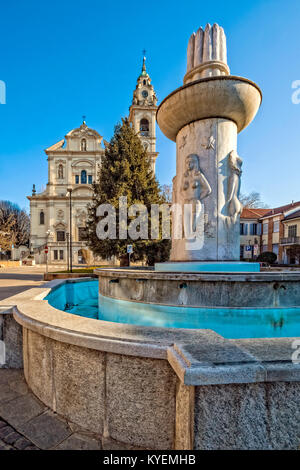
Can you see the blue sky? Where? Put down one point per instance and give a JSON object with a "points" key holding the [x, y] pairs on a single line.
{"points": [[62, 59]]}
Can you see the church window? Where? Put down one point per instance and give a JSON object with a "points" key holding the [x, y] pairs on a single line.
{"points": [[83, 145], [76, 179], [83, 177], [60, 171], [82, 235], [60, 236], [42, 218], [144, 127], [144, 82], [90, 180]]}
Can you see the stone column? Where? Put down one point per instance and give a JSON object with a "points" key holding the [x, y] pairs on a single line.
{"points": [[211, 141], [204, 117]]}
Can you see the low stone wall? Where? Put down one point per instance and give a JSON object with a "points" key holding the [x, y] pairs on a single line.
{"points": [[9, 264], [11, 338], [202, 289], [158, 388], [258, 416], [128, 399]]}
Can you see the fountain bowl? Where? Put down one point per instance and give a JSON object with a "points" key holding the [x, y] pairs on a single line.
{"points": [[235, 98]]}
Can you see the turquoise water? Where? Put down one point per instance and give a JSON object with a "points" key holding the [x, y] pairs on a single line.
{"points": [[81, 298], [209, 266]]}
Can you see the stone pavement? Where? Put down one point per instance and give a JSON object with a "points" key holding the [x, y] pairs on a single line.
{"points": [[16, 280], [27, 424]]}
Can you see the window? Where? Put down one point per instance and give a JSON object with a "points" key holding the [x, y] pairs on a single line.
{"points": [[42, 218], [82, 234], [264, 248], [58, 253], [276, 226], [83, 145], [76, 179], [292, 231], [144, 127], [60, 172], [243, 229], [90, 179], [81, 259], [265, 228], [60, 236], [242, 251], [254, 229], [83, 177], [144, 82], [275, 248]]}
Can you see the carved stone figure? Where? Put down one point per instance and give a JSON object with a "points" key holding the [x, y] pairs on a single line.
{"points": [[235, 207], [195, 188], [60, 171], [60, 214]]}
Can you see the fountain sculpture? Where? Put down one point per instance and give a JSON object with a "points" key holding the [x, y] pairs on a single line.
{"points": [[204, 117]]}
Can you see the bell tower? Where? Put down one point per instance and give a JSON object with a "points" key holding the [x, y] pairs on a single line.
{"points": [[142, 113]]}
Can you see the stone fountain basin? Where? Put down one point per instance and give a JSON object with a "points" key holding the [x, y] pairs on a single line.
{"points": [[228, 97], [276, 289], [158, 388]]}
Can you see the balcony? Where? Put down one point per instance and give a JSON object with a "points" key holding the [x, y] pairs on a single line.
{"points": [[290, 241]]}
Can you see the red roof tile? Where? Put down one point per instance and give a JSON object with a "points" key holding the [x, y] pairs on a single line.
{"points": [[253, 213], [281, 209]]}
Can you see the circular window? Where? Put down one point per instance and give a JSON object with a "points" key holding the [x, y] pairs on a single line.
{"points": [[144, 93]]}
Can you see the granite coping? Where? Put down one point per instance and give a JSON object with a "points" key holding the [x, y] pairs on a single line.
{"points": [[192, 276], [199, 357]]}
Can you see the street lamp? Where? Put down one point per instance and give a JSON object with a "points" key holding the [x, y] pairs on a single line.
{"points": [[68, 250], [48, 233], [70, 200]]}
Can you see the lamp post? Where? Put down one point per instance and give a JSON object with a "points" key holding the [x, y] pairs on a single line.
{"points": [[70, 200], [68, 250], [48, 233]]}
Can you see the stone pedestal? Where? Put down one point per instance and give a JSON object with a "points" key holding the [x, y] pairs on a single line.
{"points": [[211, 141], [204, 117]]}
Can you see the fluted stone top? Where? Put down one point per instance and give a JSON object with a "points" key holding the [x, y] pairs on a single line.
{"points": [[206, 54]]}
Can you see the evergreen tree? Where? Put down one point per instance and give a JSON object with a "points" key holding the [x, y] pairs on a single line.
{"points": [[126, 171]]}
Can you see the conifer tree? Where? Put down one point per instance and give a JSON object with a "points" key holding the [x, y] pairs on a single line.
{"points": [[126, 171]]}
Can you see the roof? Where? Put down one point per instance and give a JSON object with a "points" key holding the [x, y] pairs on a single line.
{"points": [[253, 213], [294, 215], [282, 209], [56, 146]]}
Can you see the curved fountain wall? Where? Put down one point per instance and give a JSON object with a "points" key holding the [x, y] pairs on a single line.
{"points": [[159, 388]]}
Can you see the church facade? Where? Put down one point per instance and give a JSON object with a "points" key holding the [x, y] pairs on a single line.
{"points": [[59, 214]]}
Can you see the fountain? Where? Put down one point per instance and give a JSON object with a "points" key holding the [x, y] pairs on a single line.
{"points": [[203, 117], [203, 351]]}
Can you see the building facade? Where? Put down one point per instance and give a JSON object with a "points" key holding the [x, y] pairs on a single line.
{"points": [[250, 232], [276, 230], [59, 214]]}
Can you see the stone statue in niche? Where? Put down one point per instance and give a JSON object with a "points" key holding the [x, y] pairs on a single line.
{"points": [[235, 207], [60, 171], [195, 188]]}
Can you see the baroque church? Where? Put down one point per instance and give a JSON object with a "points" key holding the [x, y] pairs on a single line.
{"points": [[73, 165]]}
